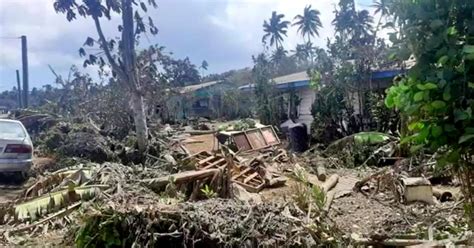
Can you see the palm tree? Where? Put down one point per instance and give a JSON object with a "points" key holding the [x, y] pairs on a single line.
{"points": [[362, 26], [301, 54], [308, 23], [278, 55], [275, 29], [380, 7], [305, 51], [203, 66]]}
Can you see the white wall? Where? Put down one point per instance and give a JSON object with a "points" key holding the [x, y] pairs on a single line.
{"points": [[307, 96]]}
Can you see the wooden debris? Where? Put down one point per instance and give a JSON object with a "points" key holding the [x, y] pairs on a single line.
{"points": [[329, 198], [251, 139], [330, 182], [250, 179], [359, 184], [321, 172], [205, 160], [158, 184]]}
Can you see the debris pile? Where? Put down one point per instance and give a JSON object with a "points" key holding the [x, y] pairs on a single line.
{"points": [[211, 223], [228, 188]]}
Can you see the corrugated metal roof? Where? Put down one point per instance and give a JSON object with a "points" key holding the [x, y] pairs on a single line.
{"points": [[192, 88], [295, 77]]}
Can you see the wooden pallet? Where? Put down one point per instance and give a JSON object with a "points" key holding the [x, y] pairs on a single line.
{"points": [[205, 160], [250, 179]]}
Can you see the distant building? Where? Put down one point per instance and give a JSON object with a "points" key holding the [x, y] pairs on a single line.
{"points": [[299, 83], [197, 100]]}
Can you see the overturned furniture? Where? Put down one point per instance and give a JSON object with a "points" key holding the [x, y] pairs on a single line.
{"points": [[251, 139], [205, 160]]}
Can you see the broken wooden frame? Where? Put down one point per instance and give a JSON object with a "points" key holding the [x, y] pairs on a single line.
{"points": [[250, 179], [205, 160], [246, 176], [252, 139]]}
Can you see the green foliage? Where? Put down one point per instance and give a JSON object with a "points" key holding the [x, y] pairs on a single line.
{"points": [[384, 119], [309, 23], [270, 104], [275, 29], [370, 138], [341, 79], [208, 192], [330, 109], [235, 104], [306, 195], [436, 95], [100, 232], [244, 124]]}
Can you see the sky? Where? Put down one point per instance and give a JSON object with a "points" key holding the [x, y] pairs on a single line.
{"points": [[225, 33]]}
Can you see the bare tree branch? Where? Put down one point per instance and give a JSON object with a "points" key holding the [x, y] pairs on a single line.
{"points": [[106, 49]]}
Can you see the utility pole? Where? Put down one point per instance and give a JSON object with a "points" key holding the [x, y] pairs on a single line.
{"points": [[24, 60], [19, 87]]}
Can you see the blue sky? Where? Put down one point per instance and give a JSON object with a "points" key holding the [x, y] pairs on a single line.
{"points": [[226, 33]]}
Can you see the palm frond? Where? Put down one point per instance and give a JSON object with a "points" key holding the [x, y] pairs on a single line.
{"points": [[45, 204]]}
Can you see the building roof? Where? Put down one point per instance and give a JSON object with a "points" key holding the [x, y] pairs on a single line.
{"points": [[195, 87], [294, 77], [301, 79]]}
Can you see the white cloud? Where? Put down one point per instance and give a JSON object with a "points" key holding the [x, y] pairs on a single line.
{"points": [[224, 32], [244, 19]]}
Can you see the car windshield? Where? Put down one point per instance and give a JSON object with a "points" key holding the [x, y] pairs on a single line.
{"points": [[11, 130]]}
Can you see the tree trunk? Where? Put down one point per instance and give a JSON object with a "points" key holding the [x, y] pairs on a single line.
{"points": [[139, 117], [131, 77]]}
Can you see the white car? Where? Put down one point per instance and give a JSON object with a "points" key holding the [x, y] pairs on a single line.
{"points": [[16, 148]]}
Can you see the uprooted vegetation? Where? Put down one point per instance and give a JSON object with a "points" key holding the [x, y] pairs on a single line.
{"points": [[219, 198]]}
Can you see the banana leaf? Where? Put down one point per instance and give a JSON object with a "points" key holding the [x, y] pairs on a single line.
{"points": [[371, 138], [54, 201]]}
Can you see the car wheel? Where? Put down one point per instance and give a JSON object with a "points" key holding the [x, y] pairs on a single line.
{"points": [[22, 176]]}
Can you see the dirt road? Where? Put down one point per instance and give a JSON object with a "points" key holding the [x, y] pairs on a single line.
{"points": [[10, 187], [9, 192]]}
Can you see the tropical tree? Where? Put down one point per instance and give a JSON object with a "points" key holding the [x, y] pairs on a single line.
{"points": [[309, 23], [301, 54], [203, 66], [121, 61], [436, 97], [275, 28], [304, 52], [278, 55], [380, 7]]}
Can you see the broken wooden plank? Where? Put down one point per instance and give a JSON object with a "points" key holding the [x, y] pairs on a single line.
{"points": [[217, 162], [329, 198], [158, 184], [321, 172], [247, 179], [330, 182], [242, 173], [208, 159]]}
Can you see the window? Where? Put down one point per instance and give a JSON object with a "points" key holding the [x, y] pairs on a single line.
{"points": [[11, 130]]}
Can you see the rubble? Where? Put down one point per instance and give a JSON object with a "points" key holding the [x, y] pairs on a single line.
{"points": [[227, 188]]}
